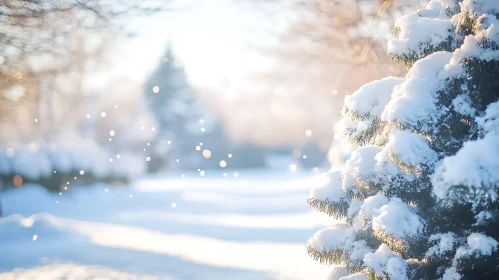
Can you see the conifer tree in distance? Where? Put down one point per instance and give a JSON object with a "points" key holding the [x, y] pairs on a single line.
{"points": [[418, 198], [175, 106]]}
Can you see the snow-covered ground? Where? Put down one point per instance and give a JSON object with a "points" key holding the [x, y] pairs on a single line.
{"points": [[253, 226]]}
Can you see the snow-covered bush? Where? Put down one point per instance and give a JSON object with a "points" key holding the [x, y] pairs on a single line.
{"points": [[418, 197], [53, 165]]}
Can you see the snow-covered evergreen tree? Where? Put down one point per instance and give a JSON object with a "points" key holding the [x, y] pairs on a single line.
{"points": [[177, 110], [418, 198]]}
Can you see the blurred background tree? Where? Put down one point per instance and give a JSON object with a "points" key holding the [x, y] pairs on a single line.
{"points": [[52, 58], [326, 51], [62, 79], [47, 46]]}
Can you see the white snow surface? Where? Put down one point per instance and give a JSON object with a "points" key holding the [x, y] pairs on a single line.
{"points": [[477, 244], [490, 121], [483, 216], [371, 98], [69, 271], [385, 262], [480, 6], [411, 149], [429, 26], [451, 274], [105, 232], [413, 102], [367, 103], [356, 276], [332, 190], [474, 166], [462, 105], [337, 273], [371, 206], [361, 165], [337, 237], [445, 243], [398, 219]]}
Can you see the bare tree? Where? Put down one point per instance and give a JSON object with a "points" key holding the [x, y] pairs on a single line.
{"points": [[33, 28], [328, 49]]}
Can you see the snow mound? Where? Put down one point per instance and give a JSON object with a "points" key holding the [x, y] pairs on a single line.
{"points": [[362, 109], [474, 167], [360, 167], [490, 121], [371, 206], [480, 6], [337, 237], [371, 98], [337, 273], [445, 243], [413, 102], [332, 191], [385, 262], [408, 150], [34, 162], [397, 219], [477, 244], [422, 32]]}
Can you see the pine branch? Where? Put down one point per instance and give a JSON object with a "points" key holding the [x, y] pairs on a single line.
{"points": [[332, 257], [337, 210]]}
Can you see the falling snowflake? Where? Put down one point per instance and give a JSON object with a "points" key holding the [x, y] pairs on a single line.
{"points": [[206, 153]]}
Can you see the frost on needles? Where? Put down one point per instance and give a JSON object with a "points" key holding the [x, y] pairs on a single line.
{"points": [[418, 198]]}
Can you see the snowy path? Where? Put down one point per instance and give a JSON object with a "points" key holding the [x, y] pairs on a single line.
{"points": [[251, 227]]}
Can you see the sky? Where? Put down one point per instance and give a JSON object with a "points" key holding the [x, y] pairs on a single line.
{"points": [[219, 42], [215, 40]]}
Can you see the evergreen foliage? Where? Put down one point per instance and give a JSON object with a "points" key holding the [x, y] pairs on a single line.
{"points": [[418, 198], [175, 106]]}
